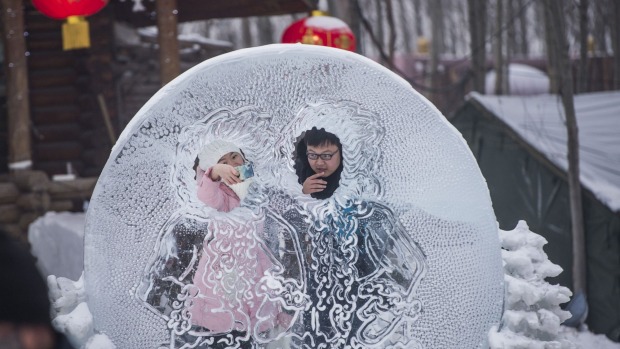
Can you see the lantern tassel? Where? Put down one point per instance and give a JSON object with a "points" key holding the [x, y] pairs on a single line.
{"points": [[75, 33]]}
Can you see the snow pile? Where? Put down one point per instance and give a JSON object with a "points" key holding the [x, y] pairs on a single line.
{"points": [[586, 339], [51, 236], [532, 315], [523, 80], [71, 314]]}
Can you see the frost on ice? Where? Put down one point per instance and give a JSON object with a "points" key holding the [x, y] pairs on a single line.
{"points": [[404, 254]]}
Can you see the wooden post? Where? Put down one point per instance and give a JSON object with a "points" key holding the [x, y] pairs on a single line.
{"points": [[18, 102], [169, 58]]}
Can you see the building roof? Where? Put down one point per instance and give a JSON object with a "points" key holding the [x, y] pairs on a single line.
{"points": [[141, 13], [540, 122]]}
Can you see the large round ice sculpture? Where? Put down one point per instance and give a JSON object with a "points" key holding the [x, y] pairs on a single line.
{"points": [[405, 254]]}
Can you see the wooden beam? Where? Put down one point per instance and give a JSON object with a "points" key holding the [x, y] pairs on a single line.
{"points": [[78, 189], [18, 102], [194, 10], [169, 57]]}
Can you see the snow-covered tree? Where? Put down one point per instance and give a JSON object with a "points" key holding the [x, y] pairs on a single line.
{"points": [[532, 313]]}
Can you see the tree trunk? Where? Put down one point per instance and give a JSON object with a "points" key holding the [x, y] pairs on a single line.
{"points": [[524, 44], [417, 9], [246, 32], [452, 27], [17, 98], [368, 29], [600, 26], [345, 10], [405, 22], [379, 26], [461, 8], [441, 26], [511, 43], [434, 9], [554, 23], [265, 31], [477, 31], [356, 25], [169, 59], [551, 59], [615, 40], [499, 54], [583, 49], [391, 32]]}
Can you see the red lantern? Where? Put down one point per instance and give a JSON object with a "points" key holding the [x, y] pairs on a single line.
{"points": [[75, 30], [320, 29]]}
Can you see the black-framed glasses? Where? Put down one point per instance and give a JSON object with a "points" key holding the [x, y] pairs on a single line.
{"points": [[323, 156]]}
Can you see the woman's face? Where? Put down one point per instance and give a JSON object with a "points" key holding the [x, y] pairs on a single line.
{"points": [[233, 159], [321, 165]]}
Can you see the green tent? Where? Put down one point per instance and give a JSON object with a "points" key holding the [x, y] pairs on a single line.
{"points": [[520, 145]]}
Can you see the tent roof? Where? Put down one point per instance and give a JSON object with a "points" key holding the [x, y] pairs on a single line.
{"points": [[539, 121], [193, 10]]}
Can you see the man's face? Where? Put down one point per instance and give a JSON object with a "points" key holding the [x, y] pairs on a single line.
{"points": [[326, 166]]}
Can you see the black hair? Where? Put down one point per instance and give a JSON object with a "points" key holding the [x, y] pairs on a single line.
{"points": [[317, 137]]}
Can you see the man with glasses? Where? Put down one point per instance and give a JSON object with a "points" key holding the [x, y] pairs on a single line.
{"points": [[319, 163]]}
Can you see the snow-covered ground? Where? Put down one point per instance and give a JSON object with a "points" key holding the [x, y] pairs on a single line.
{"points": [[588, 340], [68, 229]]}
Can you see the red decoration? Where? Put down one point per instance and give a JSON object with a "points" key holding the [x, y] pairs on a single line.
{"points": [[320, 29], [61, 9], [75, 32]]}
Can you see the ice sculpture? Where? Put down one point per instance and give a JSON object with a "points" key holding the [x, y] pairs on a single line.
{"points": [[404, 254]]}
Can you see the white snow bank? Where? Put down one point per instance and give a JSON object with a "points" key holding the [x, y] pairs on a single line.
{"points": [[523, 80], [587, 340], [540, 121], [51, 236]]}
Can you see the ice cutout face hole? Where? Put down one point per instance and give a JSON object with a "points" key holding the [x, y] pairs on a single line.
{"points": [[318, 162], [222, 171]]}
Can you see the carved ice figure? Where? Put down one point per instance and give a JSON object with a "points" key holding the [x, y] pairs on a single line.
{"points": [[404, 254], [359, 272]]}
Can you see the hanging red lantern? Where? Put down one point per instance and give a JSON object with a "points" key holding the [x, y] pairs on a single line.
{"points": [[319, 29], [75, 32]]}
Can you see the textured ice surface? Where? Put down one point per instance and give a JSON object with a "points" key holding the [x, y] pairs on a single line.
{"points": [[405, 253]]}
